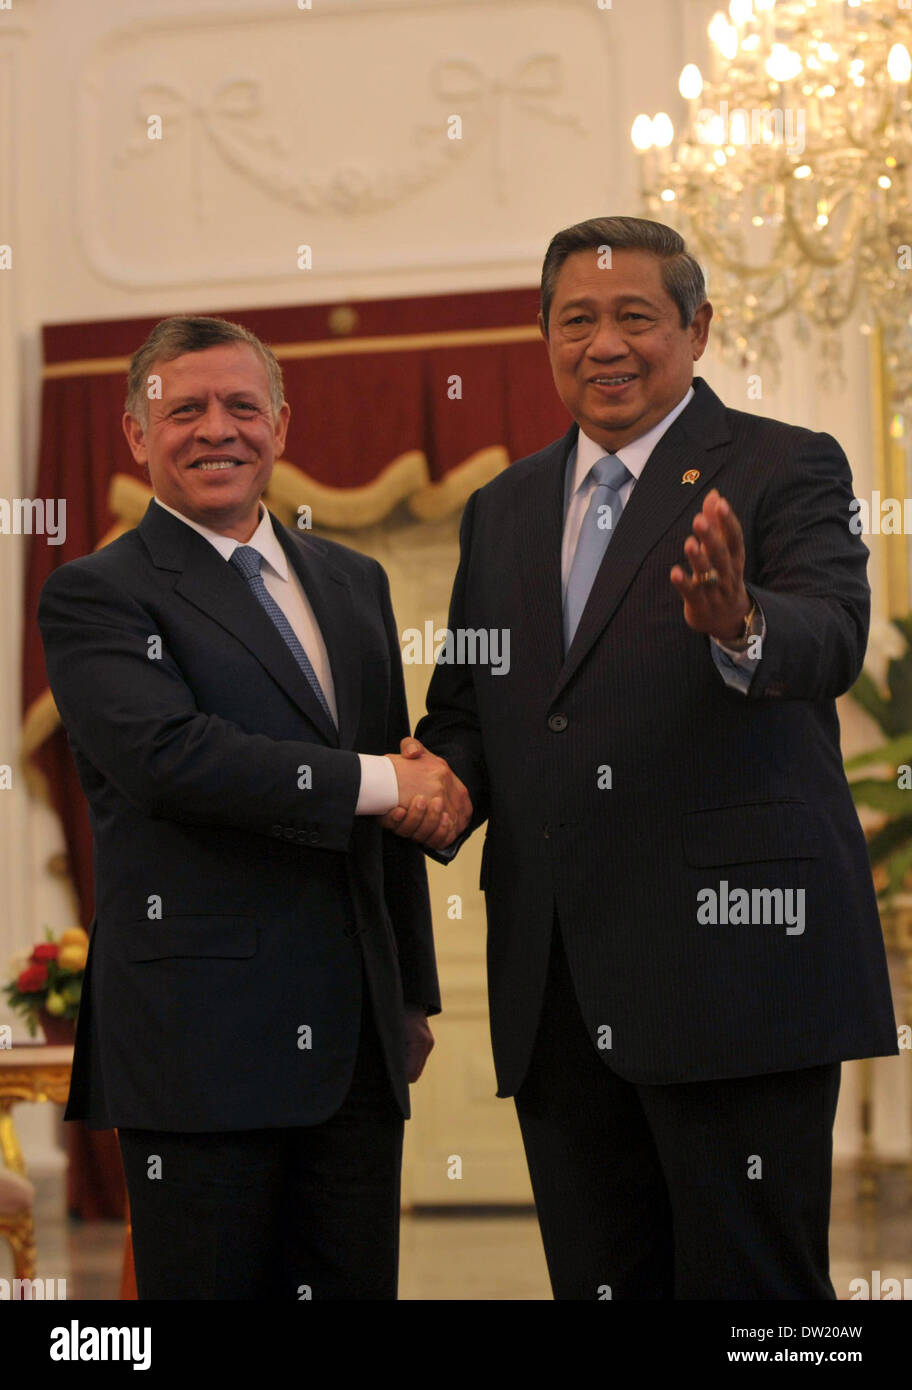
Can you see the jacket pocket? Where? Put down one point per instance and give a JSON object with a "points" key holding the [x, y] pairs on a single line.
{"points": [[232, 938], [751, 833]]}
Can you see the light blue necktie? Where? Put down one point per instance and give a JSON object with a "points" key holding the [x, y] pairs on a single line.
{"points": [[602, 516], [248, 560]]}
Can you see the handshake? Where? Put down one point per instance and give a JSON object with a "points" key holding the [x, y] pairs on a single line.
{"points": [[434, 806]]}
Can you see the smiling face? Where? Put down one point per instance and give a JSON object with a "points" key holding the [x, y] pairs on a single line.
{"points": [[620, 358], [211, 439]]}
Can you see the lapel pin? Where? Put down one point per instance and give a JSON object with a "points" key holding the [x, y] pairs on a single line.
{"points": [[691, 475]]}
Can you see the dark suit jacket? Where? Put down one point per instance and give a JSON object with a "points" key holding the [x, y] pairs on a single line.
{"points": [[192, 762], [707, 785]]}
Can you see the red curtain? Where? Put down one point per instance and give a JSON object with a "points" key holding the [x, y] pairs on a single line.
{"points": [[366, 381]]}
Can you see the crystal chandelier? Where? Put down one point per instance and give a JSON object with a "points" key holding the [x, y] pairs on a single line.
{"points": [[791, 182]]}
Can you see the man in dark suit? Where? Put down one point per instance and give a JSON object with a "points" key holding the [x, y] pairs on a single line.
{"points": [[683, 935], [261, 962]]}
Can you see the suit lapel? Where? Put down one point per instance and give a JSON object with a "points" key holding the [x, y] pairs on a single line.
{"points": [[329, 591], [658, 498], [540, 522], [219, 591]]}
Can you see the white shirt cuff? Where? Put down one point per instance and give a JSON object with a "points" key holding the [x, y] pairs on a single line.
{"points": [[743, 658], [379, 786], [738, 669]]}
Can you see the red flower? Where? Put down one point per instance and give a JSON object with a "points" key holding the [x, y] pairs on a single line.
{"points": [[46, 951], [32, 979]]}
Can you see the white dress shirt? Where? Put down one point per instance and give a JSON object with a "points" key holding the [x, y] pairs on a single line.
{"points": [[379, 791], [736, 668], [633, 456]]}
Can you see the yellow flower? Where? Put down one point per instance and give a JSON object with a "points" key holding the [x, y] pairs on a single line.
{"points": [[74, 936], [55, 1003], [73, 956]]}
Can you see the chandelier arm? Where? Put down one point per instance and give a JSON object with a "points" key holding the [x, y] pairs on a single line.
{"points": [[877, 128], [746, 272], [807, 249], [787, 303], [849, 305]]}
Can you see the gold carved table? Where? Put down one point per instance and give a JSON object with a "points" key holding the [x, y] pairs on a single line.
{"points": [[29, 1071]]}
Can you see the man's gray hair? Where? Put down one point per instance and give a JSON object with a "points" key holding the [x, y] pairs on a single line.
{"points": [[681, 274], [193, 333]]}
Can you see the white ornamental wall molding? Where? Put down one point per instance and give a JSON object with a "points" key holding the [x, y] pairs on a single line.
{"points": [[240, 123], [233, 123], [530, 88]]}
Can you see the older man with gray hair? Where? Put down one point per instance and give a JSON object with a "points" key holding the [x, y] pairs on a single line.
{"points": [[683, 938]]}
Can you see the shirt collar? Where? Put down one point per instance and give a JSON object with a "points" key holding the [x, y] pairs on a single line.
{"points": [[634, 455], [264, 539]]}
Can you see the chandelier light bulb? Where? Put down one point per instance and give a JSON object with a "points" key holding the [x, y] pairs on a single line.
{"points": [[738, 132], [662, 130], [802, 172], [783, 63], [741, 11], [716, 26], [641, 133], [728, 42], [716, 131], [690, 83], [776, 62], [899, 63]]}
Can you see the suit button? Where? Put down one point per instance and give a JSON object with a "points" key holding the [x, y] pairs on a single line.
{"points": [[557, 723], [289, 832], [350, 928], [276, 830], [301, 836], [314, 837]]}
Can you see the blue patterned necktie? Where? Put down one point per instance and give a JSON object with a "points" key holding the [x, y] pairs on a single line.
{"points": [[602, 516], [248, 560]]}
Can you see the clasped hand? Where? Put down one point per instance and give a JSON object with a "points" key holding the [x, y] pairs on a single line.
{"points": [[434, 806]]}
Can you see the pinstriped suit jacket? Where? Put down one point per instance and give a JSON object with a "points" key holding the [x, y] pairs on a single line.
{"points": [[708, 787]]}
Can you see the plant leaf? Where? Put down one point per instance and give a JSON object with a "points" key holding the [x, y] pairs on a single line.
{"points": [[882, 796], [898, 750], [898, 866], [891, 837], [865, 693]]}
